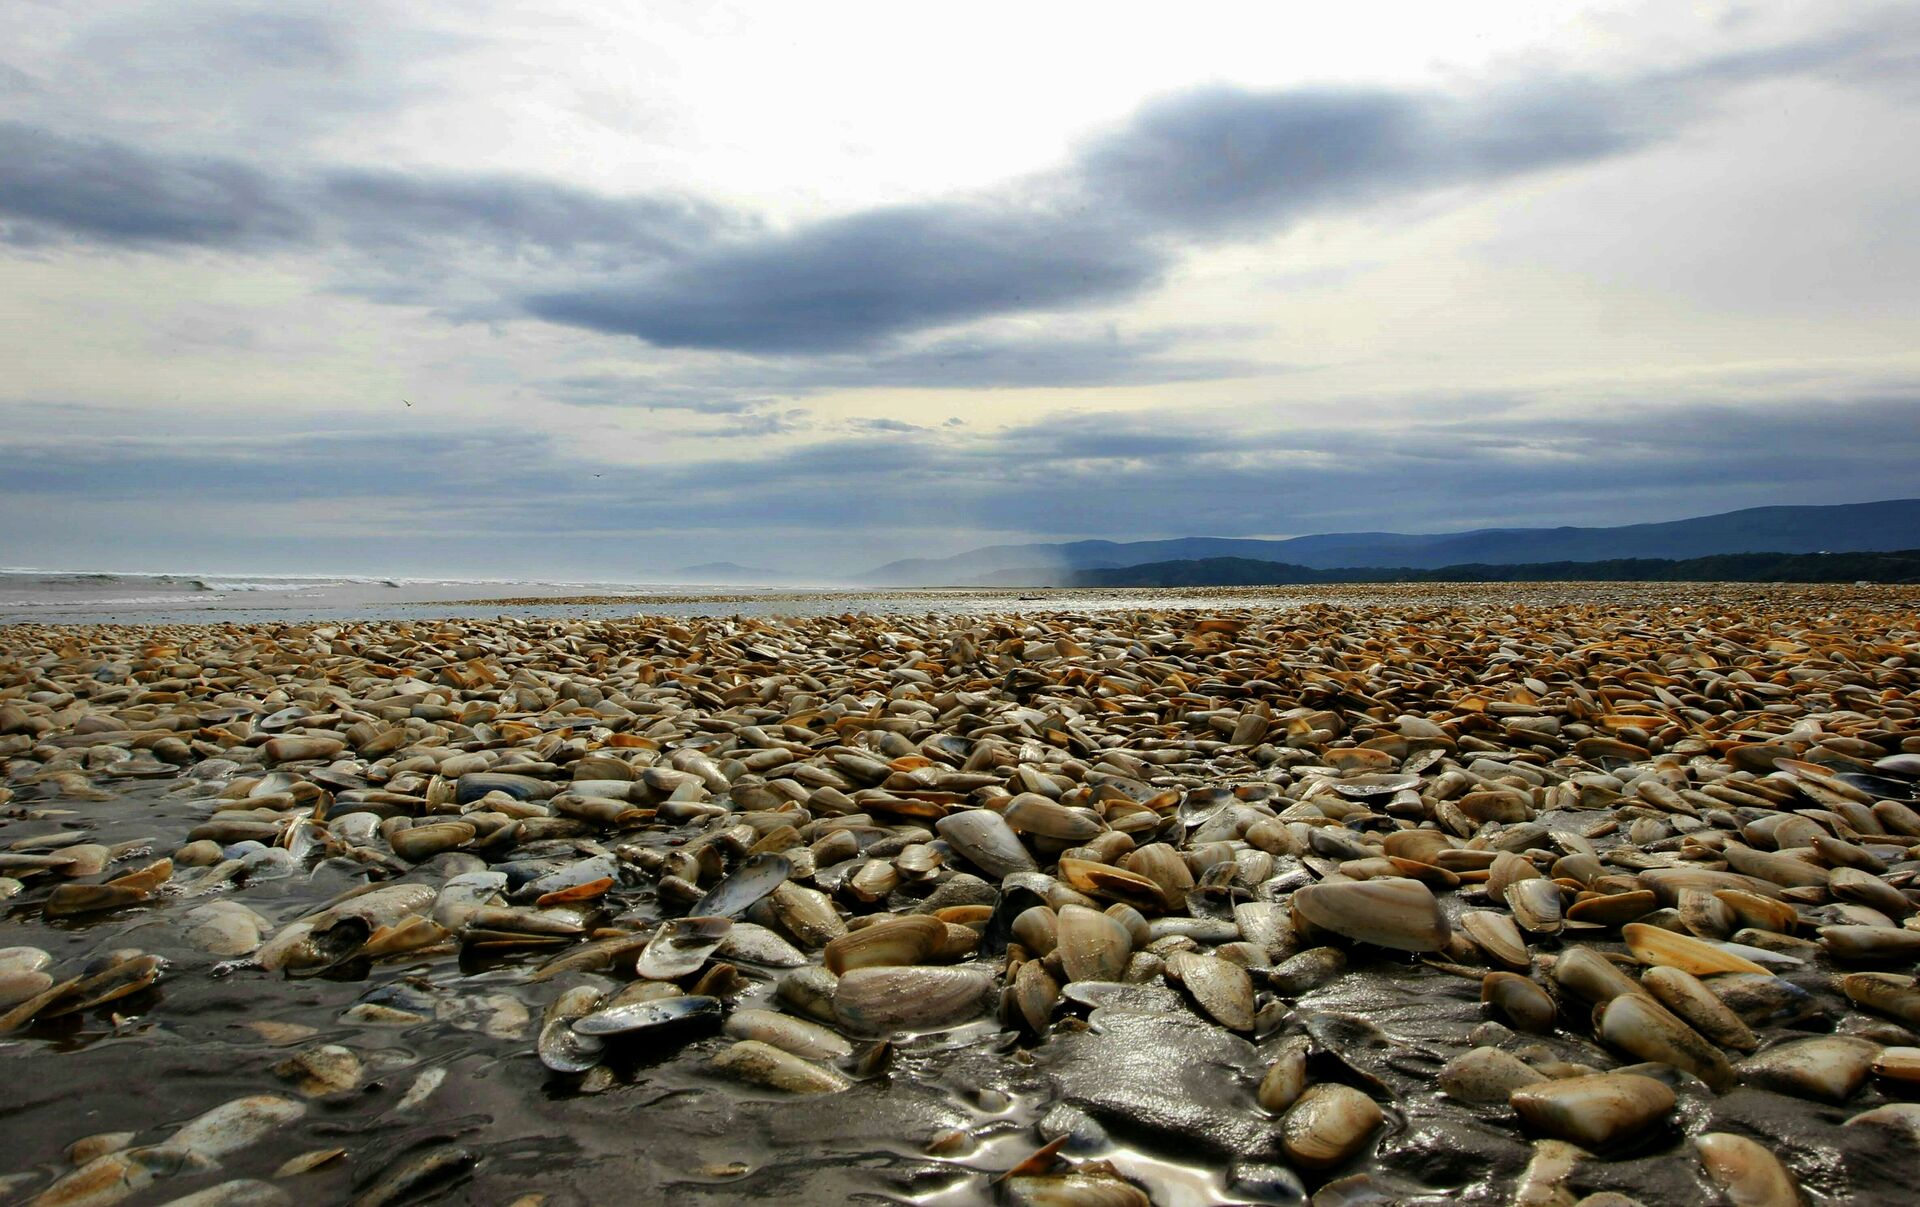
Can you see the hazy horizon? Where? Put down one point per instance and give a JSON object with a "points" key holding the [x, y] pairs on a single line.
{"points": [[506, 291]]}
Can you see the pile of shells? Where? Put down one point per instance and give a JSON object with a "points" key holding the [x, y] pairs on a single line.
{"points": [[1673, 853]]}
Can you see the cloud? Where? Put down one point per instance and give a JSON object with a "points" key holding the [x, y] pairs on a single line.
{"points": [[54, 185], [1210, 164], [1094, 474], [843, 284]]}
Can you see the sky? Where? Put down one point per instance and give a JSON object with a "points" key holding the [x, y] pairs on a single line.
{"points": [[601, 291]]}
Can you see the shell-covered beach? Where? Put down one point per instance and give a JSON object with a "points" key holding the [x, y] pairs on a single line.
{"points": [[1532, 895]]}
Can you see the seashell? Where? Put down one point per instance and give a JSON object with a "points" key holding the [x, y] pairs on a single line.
{"points": [[1163, 865], [1870, 944], [680, 947], [1689, 999], [1079, 1188], [1764, 999], [1093, 946], [1757, 912], [756, 876], [807, 915], [321, 1070], [23, 985], [902, 939], [1031, 813], [1898, 1064], [1396, 913], [662, 1012], [1222, 988], [1286, 1077], [1497, 936], [1486, 1075], [1595, 1111], [1536, 906], [809, 991], [1114, 884], [68, 900], [1524, 1004], [763, 1064], [1746, 1172], [1831, 1068], [1901, 1120], [1653, 945], [1035, 994], [1308, 970], [876, 1001], [420, 843], [1266, 924], [1543, 1183], [1635, 1023], [1037, 929], [1890, 994], [1613, 909], [984, 839], [1329, 1125], [232, 1126], [754, 944], [1852, 884]]}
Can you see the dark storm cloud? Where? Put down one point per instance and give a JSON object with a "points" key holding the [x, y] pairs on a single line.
{"points": [[54, 186], [1218, 163], [845, 283]]}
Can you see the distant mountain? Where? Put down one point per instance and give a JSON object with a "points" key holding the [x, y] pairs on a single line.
{"points": [[1846, 528], [728, 572], [1898, 566]]}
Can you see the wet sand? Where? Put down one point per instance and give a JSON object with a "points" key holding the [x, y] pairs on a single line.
{"points": [[1268, 748]]}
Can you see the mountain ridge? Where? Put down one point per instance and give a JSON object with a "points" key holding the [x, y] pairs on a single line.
{"points": [[1782, 529]]}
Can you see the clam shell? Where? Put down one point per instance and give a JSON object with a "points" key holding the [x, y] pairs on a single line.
{"points": [[680, 947], [1893, 995], [904, 939], [1497, 936], [1653, 945], [1591, 975], [1685, 995], [1031, 813], [1329, 1125], [1093, 946], [1637, 1024], [1746, 1172], [763, 1064], [1613, 909], [1831, 1068], [984, 839], [1594, 1111], [1396, 913], [1524, 1004], [1035, 994], [1222, 988], [1114, 884], [804, 1039], [1286, 1077], [1870, 944], [630, 1017], [756, 876], [1486, 1075], [876, 1001]]}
